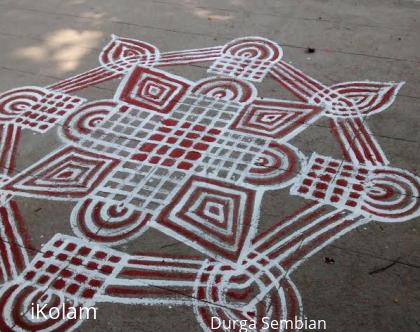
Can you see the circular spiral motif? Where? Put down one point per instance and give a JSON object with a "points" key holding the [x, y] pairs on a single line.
{"points": [[276, 167], [255, 48], [392, 195], [226, 88], [84, 120], [16, 101], [106, 222], [16, 302]]}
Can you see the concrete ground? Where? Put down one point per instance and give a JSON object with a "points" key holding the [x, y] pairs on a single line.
{"points": [[367, 280]]}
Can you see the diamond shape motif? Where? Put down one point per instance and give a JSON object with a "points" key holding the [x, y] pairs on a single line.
{"points": [[213, 211], [152, 89], [211, 216], [216, 210], [276, 118], [68, 173]]}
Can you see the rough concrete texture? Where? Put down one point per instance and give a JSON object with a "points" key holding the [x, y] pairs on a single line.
{"points": [[361, 279]]}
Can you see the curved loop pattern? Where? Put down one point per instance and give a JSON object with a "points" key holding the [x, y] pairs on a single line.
{"points": [[121, 54], [277, 167], [255, 48], [230, 295], [227, 89], [16, 302], [14, 102], [85, 119], [393, 195], [356, 99], [106, 222]]}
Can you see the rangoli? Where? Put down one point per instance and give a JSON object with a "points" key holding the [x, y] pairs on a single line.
{"points": [[190, 159]]}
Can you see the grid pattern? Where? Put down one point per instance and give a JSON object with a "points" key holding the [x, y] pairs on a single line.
{"points": [[126, 128], [207, 111], [171, 146], [232, 156], [121, 132], [145, 187], [47, 111], [74, 268], [333, 182], [165, 148], [245, 68]]}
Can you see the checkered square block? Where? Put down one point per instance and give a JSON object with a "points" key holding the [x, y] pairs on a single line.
{"points": [[73, 267], [247, 69], [249, 58], [334, 182], [35, 108]]}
